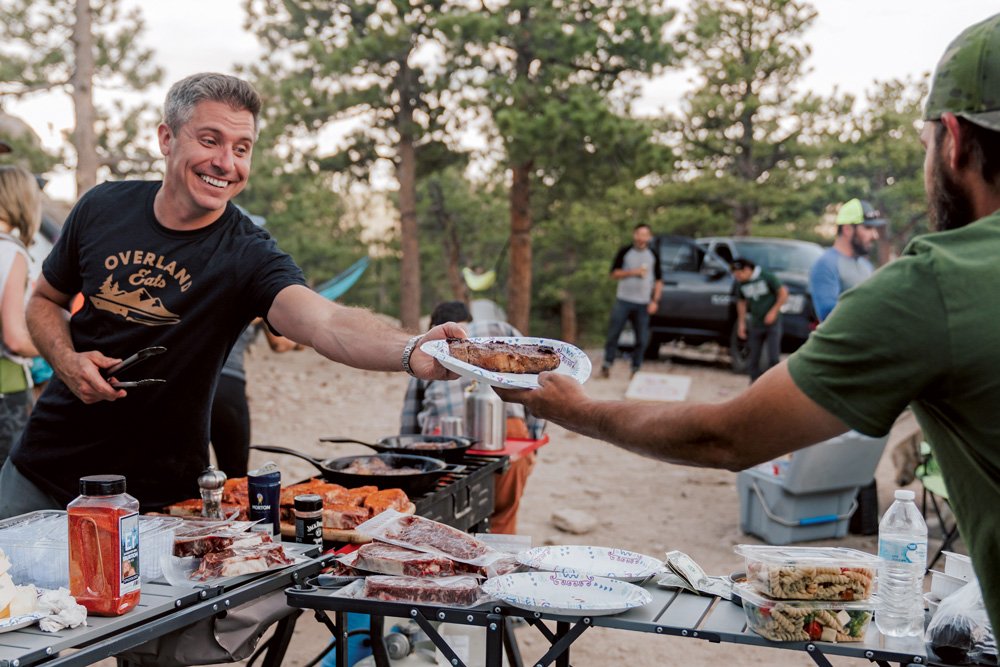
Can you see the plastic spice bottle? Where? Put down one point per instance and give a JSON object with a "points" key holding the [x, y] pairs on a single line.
{"points": [[104, 546], [309, 519]]}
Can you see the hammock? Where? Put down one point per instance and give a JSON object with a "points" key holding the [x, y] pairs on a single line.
{"points": [[336, 287], [479, 282]]}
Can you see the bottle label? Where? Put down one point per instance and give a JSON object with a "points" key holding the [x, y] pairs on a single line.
{"points": [[902, 552], [309, 531], [128, 532]]}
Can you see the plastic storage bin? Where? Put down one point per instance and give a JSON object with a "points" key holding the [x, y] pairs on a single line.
{"points": [[36, 545], [810, 573], [800, 621], [777, 516]]}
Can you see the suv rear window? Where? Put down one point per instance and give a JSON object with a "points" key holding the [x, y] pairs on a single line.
{"points": [[790, 257]]}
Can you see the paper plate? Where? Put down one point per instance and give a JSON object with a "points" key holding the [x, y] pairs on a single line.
{"points": [[18, 622], [566, 594], [593, 561], [573, 362]]}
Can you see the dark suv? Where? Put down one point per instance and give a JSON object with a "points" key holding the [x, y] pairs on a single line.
{"points": [[698, 305]]}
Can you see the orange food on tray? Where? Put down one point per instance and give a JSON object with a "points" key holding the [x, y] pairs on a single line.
{"points": [[343, 508]]}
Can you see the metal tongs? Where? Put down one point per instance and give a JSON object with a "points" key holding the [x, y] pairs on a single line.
{"points": [[139, 356]]}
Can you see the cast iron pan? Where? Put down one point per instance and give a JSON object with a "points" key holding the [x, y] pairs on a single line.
{"points": [[397, 444], [413, 484]]}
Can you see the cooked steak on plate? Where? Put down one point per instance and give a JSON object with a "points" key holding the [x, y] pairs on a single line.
{"points": [[501, 357]]}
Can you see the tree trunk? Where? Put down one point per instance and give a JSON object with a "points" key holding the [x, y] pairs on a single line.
{"points": [[82, 80], [406, 173], [452, 244], [743, 219], [519, 281], [569, 329]]}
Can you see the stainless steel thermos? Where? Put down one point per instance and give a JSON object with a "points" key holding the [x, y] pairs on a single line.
{"points": [[485, 418]]}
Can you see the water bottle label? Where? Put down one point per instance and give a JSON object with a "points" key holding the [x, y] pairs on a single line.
{"points": [[902, 552]]}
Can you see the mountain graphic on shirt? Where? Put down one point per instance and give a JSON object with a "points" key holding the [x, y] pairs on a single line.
{"points": [[138, 306]]}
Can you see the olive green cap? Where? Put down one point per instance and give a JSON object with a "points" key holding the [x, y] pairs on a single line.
{"points": [[967, 79]]}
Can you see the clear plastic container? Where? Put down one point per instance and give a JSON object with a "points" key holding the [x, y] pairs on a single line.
{"points": [[810, 573], [36, 544], [103, 526], [800, 621]]}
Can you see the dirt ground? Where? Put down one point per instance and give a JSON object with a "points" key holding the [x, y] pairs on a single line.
{"points": [[641, 505]]}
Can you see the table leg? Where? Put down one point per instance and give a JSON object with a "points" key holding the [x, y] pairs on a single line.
{"points": [[511, 648], [379, 650], [341, 636], [562, 629], [278, 644], [495, 632]]}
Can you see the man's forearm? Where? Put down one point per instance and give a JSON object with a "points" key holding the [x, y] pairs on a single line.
{"points": [[358, 338], [48, 323]]}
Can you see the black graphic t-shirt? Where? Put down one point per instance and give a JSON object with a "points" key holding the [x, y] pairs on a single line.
{"points": [[192, 292]]}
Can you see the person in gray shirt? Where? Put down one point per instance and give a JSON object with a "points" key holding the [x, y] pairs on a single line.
{"points": [[845, 265], [640, 281]]}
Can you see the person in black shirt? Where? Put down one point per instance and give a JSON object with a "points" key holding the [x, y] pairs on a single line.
{"points": [[173, 264]]}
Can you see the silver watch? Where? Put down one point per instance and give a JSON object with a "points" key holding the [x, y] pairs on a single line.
{"points": [[408, 351]]}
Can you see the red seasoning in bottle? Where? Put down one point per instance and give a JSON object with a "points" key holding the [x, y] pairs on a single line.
{"points": [[104, 546]]}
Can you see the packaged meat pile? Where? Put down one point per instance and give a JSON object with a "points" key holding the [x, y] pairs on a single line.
{"points": [[207, 550], [419, 560]]}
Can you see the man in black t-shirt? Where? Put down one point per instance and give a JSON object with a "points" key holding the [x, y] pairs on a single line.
{"points": [[171, 264]]}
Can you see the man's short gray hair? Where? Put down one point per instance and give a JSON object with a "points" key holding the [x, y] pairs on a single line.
{"points": [[184, 95]]}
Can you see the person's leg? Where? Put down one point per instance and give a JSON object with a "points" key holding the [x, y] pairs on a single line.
{"points": [[640, 322], [772, 346], [19, 495], [14, 409], [619, 315], [230, 433], [509, 488], [755, 345]]}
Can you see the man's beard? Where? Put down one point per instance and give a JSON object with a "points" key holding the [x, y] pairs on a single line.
{"points": [[950, 205], [859, 249]]}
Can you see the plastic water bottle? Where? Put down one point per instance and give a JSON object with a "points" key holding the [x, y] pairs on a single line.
{"points": [[902, 549]]}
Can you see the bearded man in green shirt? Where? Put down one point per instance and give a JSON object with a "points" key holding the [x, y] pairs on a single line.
{"points": [[921, 332]]}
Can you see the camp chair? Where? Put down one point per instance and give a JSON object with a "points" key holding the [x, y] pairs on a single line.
{"points": [[929, 474]]}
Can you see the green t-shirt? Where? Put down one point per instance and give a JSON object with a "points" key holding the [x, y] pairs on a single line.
{"points": [[760, 293], [923, 331]]}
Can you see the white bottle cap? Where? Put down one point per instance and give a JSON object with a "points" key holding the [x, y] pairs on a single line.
{"points": [[904, 494]]}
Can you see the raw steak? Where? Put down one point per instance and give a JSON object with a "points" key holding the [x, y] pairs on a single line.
{"points": [[390, 559], [501, 357], [380, 501], [344, 516], [451, 591], [237, 561], [421, 533]]}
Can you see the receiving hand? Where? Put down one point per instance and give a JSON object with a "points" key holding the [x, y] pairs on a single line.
{"points": [[427, 367], [82, 374], [557, 398]]}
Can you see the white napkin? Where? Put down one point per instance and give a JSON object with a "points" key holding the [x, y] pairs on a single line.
{"points": [[63, 611]]}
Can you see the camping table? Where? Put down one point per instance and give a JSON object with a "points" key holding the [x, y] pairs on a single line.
{"points": [[162, 609], [671, 613]]}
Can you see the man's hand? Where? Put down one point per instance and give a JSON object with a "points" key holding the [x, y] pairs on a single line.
{"points": [[427, 367], [652, 307], [82, 374], [558, 398], [741, 331], [771, 317]]}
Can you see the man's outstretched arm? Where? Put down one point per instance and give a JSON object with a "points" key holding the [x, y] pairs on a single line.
{"points": [[771, 418]]}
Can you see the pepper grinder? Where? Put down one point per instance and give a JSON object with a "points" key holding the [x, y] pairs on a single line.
{"points": [[211, 482]]}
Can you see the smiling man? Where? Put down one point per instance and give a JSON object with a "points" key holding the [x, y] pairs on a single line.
{"points": [[172, 264]]}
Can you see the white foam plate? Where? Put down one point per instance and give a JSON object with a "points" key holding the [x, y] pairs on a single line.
{"points": [[593, 561], [573, 362], [566, 594], [18, 622]]}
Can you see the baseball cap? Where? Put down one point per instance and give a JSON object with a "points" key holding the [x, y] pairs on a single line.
{"points": [[860, 212], [966, 81]]}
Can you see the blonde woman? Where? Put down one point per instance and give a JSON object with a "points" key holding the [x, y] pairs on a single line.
{"points": [[20, 217]]}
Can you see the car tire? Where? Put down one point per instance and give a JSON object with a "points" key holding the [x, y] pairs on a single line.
{"points": [[739, 352]]}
